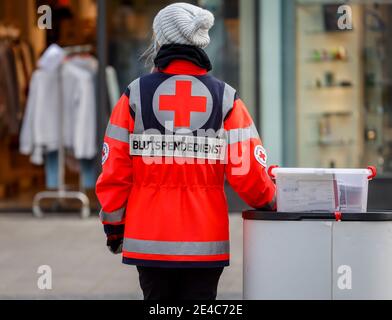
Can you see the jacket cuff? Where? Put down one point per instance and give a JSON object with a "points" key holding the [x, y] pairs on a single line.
{"points": [[271, 206], [114, 217]]}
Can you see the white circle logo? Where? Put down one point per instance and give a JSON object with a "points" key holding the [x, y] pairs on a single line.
{"points": [[261, 155], [105, 152], [182, 102]]}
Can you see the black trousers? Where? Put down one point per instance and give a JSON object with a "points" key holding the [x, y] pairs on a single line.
{"points": [[179, 283]]}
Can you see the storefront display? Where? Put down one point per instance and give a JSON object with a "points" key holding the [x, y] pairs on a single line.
{"points": [[130, 34], [340, 84], [21, 45], [377, 85], [17, 62], [74, 23], [343, 85], [329, 89]]}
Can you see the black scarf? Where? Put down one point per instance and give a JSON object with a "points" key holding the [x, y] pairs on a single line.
{"points": [[170, 52]]}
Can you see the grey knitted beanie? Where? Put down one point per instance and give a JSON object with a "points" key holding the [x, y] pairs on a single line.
{"points": [[183, 23]]}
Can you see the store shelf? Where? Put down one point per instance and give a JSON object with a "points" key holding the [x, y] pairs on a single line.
{"points": [[336, 143], [314, 88], [330, 114], [324, 32], [378, 85], [314, 61]]}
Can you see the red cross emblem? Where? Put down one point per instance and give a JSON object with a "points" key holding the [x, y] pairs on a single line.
{"points": [[261, 155], [105, 152], [183, 103]]}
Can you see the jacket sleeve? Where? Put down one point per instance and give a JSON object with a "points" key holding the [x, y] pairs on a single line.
{"points": [[247, 159], [115, 182]]}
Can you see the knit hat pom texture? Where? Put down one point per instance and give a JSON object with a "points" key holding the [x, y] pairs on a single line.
{"points": [[183, 23]]}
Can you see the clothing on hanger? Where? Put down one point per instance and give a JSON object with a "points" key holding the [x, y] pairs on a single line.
{"points": [[40, 131], [9, 90]]}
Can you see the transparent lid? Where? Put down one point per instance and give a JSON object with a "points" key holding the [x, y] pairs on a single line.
{"points": [[320, 171]]}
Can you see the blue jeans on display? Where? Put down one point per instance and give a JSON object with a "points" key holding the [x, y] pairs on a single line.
{"points": [[88, 171]]}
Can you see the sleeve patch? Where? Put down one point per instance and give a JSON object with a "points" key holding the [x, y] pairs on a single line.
{"points": [[105, 152], [261, 155]]}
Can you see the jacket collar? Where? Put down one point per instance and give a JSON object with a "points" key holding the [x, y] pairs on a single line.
{"points": [[183, 67], [182, 59]]}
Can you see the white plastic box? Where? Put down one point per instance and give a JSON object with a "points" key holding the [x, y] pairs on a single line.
{"points": [[310, 189]]}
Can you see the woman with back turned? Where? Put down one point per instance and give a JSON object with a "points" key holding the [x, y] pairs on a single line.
{"points": [[172, 138]]}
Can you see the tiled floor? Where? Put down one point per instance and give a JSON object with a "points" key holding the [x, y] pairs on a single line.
{"points": [[82, 267]]}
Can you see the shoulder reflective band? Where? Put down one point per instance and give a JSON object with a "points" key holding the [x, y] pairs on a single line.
{"points": [[115, 216], [177, 146], [117, 133], [136, 105], [243, 134], [176, 247], [228, 100]]}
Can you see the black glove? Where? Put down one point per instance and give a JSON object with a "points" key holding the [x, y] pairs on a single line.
{"points": [[115, 237], [270, 206]]}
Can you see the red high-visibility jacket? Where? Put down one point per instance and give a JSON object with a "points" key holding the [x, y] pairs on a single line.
{"points": [[175, 213]]}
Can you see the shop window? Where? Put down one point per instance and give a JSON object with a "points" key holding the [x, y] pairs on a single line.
{"points": [[130, 30], [344, 99], [21, 44], [377, 74], [129, 34]]}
